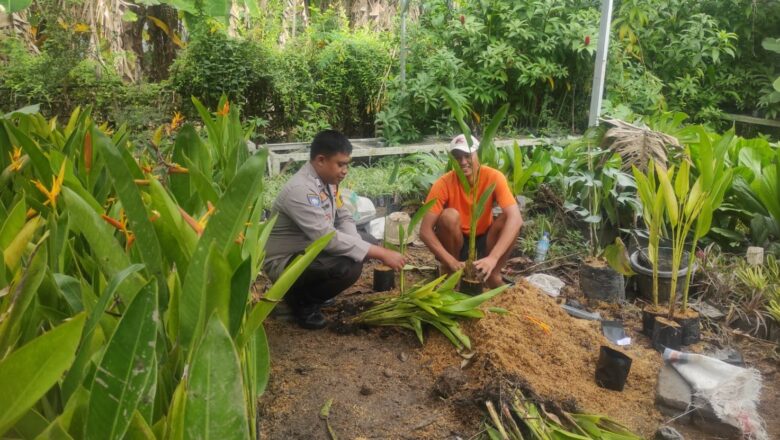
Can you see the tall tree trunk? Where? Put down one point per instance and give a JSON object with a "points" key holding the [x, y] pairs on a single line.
{"points": [[163, 49]]}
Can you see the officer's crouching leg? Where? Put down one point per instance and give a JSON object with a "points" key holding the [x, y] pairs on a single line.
{"points": [[343, 275]]}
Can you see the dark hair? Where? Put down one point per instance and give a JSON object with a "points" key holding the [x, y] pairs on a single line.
{"points": [[328, 143]]}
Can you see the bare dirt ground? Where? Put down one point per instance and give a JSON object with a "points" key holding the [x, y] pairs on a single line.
{"points": [[385, 385]]}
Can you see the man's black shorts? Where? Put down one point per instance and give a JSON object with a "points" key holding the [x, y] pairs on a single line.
{"points": [[481, 247]]}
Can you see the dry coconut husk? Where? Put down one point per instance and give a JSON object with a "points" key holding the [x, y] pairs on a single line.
{"points": [[555, 356]]}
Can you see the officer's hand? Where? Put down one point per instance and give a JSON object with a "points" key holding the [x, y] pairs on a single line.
{"points": [[393, 259]]}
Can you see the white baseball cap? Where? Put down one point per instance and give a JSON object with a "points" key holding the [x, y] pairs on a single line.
{"points": [[459, 143]]}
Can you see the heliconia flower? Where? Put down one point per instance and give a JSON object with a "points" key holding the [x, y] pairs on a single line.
{"points": [[177, 169], [30, 214], [176, 122], [155, 215], [17, 160], [587, 40], [240, 238], [198, 225], [121, 226], [56, 187], [225, 109]]}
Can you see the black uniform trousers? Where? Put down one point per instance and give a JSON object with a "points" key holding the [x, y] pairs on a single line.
{"points": [[326, 277]]}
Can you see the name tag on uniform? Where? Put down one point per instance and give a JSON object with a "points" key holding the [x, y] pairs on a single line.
{"points": [[314, 200]]}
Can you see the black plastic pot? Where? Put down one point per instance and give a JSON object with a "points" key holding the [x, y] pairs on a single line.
{"points": [[644, 278], [384, 279], [602, 283], [470, 287], [648, 320], [689, 326], [666, 334], [665, 255], [612, 369]]}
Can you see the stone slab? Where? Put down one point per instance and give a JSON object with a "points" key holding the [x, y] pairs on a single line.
{"points": [[673, 391], [708, 311]]}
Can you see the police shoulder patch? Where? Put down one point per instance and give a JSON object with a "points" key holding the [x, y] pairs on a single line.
{"points": [[314, 199]]}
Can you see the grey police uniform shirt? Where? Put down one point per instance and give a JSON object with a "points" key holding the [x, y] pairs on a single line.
{"points": [[307, 210]]}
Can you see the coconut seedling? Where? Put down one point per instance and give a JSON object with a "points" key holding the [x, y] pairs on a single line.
{"points": [[472, 282], [403, 234], [435, 303]]}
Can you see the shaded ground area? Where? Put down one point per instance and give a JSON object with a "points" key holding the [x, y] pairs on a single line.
{"points": [[384, 385]]}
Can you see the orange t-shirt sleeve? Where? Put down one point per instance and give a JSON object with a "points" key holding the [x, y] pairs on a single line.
{"points": [[439, 192], [503, 194]]}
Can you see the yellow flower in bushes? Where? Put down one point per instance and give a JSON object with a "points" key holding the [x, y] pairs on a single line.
{"points": [[56, 187]]}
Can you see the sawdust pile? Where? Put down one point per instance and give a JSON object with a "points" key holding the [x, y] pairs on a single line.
{"points": [[559, 364]]}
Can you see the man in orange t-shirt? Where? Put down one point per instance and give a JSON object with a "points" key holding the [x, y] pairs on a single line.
{"points": [[445, 228]]}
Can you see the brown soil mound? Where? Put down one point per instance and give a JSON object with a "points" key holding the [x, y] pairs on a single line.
{"points": [[558, 365]]}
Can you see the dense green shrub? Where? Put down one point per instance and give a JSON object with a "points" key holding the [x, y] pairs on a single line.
{"points": [[214, 64], [534, 54], [329, 76], [59, 79]]}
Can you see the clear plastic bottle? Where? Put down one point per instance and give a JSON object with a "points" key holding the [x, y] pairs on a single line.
{"points": [[542, 246]]}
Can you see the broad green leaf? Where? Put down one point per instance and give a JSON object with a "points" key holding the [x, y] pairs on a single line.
{"points": [[217, 299], [483, 199], [208, 121], [682, 180], [418, 216], [13, 223], [69, 421], [31, 424], [223, 227], [76, 373], [13, 253], [139, 429], [617, 257], [280, 287], [130, 196], [240, 282], [215, 407], [121, 379], [30, 371], [486, 145], [262, 365], [174, 426], [107, 250], [22, 296], [669, 197], [475, 301]]}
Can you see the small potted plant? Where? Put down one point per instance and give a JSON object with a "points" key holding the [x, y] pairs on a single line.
{"points": [[384, 276], [599, 186]]}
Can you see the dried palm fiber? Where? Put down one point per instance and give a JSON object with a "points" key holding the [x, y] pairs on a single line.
{"points": [[637, 145]]}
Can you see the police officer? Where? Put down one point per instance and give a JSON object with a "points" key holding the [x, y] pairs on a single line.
{"points": [[309, 207]]}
